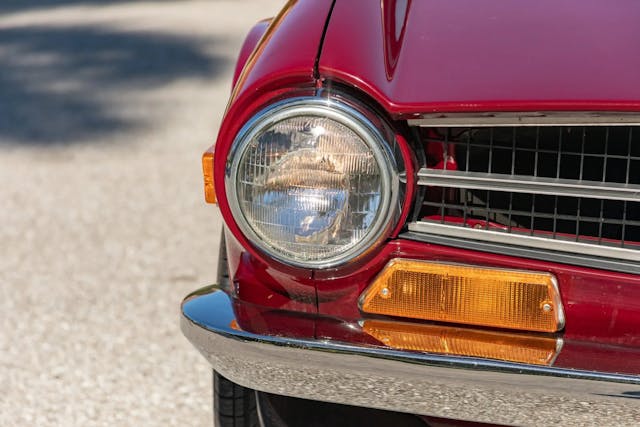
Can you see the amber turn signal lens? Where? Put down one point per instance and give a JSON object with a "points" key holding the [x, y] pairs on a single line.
{"points": [[472, 295], [234, 325], [207, 171], [448, 340]]}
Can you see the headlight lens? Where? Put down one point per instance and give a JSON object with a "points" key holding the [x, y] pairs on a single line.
{"points": [[309, 182]]}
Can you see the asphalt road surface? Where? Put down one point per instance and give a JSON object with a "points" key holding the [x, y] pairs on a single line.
{"points": [[105, 109]]}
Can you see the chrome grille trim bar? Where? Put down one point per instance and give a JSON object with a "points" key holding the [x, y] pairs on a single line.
{"points": [[538, 118], [557, 257], [529, 184], [525, 240]]}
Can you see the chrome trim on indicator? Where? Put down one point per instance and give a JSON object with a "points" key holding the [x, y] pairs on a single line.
{"points": [[540, 118], [524, 240], [463, 388], [529, 184]]}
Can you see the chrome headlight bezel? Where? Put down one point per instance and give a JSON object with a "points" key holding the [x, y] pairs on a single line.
{"points": [[361, 122]]}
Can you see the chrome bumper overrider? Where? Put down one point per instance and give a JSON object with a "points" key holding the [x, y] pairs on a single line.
{"points": [[428, 384]]}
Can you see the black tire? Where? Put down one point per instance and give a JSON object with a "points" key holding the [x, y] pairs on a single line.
{"points": [[233, 405]]}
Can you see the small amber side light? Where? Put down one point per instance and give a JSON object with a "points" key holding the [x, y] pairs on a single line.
{"points": [[473, 295], [207, 171], [234, 325], [511, 347]]}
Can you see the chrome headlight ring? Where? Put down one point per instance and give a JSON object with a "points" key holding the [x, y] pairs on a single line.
{"points": [[269, 176]]}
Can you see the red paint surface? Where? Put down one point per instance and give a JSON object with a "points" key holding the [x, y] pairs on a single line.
{"points": [[599, 305], [574, 354], [394, 24], [281, 66], [256, 282], [265, 321], [411, 167], [287, 51], [614, 359], [452, 56], [496, 55], [282, 62], [249, 45]]}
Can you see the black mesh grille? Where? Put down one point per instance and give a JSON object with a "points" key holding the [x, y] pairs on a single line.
{"points": [[595, 154]]}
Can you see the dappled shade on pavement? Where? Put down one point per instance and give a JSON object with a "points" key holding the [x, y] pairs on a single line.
{"points": [[57, 83]]}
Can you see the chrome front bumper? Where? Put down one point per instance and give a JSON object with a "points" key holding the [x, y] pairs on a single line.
{"points": [[428, 384]]}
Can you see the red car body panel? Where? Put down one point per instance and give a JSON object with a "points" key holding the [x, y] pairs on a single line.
{"points": [[283, 60], [575, 354], [256, 282], [491, 55], [249, 45], [599, 305], [439, 56]]}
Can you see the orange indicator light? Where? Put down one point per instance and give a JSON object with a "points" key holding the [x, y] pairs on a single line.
{"points": [[234, 325], [207, 171], [448, 340], [472, 295]]}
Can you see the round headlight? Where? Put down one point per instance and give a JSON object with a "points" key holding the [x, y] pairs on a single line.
{"points": [[309, 181]]}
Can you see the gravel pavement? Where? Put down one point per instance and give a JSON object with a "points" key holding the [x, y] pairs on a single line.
{"points": [[105, 109]]}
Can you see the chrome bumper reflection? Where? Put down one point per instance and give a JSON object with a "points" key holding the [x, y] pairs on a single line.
{"points": [[441, 386]]}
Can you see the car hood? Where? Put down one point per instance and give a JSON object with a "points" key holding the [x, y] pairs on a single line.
{"points": [[487, 55]]}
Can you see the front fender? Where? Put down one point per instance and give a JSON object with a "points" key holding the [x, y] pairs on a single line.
{"points": [[249, 45]]}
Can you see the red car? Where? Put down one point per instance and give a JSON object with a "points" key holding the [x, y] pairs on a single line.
{"points": [[432, 217]]}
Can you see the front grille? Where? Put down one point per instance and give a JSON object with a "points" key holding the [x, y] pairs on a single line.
{"points": [[566, 188]]}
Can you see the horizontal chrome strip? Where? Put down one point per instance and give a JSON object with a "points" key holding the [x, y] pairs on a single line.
{"points": [[529, 184], [548, 118], [421, 383], [579, 259], [525, 240]]}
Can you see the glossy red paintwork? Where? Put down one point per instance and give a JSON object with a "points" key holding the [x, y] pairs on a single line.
{"points": [[256, 282], [574, 354], [587, 356], [599, 305], [411, 167], [495, 55], [271, 71], [260, 320], [449, 55], [249, 45]]}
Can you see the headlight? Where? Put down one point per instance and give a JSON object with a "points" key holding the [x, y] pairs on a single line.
{"points": [[311, 182]]}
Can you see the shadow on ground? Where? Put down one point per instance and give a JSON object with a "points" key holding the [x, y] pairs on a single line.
{"points": [[57, 85], [9, 6]]}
